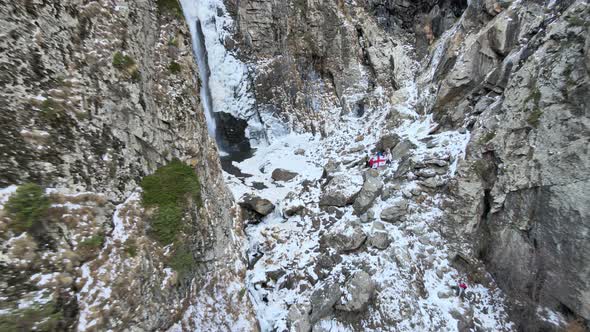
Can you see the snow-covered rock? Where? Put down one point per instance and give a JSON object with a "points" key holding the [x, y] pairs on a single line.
{"points": [[358, 291]]}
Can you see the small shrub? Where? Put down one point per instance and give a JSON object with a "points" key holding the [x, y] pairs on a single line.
{"points": [[51, 110], [487, 137], [135, 75], [182, 260], [38, 317], [173, 42], [169, 189], [170, 6], [174, 67], [167, 223], [170, 185], [27, 206], [94, 242], [576, 21], [533, 118], [121, 61], [131, 248], [535, 96]]}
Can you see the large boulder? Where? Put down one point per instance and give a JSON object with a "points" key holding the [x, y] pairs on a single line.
{"points": [[341, 190], [402, 150], [298, 318], [395, 212], [330, 169], [371, 190], [323, 300], [345, 237], [379, 238], [359, 291], [281, 174], [387, 142], [257, 204]]}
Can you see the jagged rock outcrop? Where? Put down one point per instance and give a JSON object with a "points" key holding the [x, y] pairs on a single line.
{"points": [[95, 95], [524, 75]]}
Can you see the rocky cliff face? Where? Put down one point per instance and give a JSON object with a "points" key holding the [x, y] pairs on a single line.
{"points": [[522, 83], [95, 96]]}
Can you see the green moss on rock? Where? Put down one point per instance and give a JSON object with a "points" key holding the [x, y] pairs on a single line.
{"points": [[170, 189], [35, 318], [170, 6], [121, 61], [534, 118], [174, 67], [26, 207], [94, 242]]}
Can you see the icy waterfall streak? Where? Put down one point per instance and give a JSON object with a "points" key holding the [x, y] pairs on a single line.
{"points": [[200, 50]]}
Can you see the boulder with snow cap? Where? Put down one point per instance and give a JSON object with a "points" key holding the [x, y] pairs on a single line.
{"points": [[330, 168], [358, 292], [281, 174], [370, 191], [341, 190], [379, 238], [257, 204], [344, 237], [395, 212], [298, 319]]}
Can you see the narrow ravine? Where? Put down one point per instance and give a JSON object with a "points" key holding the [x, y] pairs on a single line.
{"points": [[303, 254]]}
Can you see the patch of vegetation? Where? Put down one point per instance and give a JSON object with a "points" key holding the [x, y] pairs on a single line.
{"points": [[576, 21], [94, 242], [242, 292], [135, 75], [173, 42], [38, 317], [482, 168], [174, 67], [166, 223], [487, 137], [535, 96], [27, 206], [51, 110], [131, 248], [533, 118], [170, 189], [182, 260], [121, 61], [170, 6]]}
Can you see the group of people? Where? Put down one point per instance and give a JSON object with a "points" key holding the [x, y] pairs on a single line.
{"points": [[380, 159]]}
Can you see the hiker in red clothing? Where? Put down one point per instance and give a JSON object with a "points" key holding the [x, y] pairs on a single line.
{"points": [[460, 288]]}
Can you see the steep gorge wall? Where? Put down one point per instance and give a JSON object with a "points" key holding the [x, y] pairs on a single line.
{"points": [[519, 81], [94, 96]]}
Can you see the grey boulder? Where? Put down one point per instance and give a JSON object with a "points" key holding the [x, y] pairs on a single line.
{"points": [[257, 204], [395, 212], [281, 174], [370, 191], [359, 291]]}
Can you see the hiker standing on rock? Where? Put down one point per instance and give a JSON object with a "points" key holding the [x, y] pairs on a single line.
{"points": [[460, 288]]}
